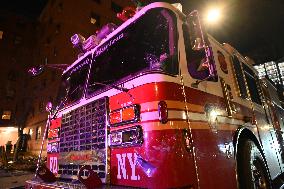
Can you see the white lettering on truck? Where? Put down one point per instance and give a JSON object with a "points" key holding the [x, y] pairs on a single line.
{"points": [[121, 166], [53, 164]]}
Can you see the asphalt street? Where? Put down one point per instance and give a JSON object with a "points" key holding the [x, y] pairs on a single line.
{"points": [[14, 179]]}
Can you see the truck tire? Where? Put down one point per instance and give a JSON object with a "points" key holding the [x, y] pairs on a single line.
{"points": [[251, 167]]}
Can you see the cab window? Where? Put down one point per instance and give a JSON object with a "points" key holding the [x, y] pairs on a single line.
{"points": [[239, 77], [251, 79], [197, 58]]}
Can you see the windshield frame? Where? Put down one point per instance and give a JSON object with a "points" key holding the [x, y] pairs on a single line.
{"points": [[172, 45], [63, 94]]}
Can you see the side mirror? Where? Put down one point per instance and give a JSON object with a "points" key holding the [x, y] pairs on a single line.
{"points": [[200, 42], [196, 32]]}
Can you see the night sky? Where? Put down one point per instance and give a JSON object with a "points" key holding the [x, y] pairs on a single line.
{"points": [[29, 8], [254, 27]]}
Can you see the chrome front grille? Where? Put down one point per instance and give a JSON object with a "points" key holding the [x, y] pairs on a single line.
{"points": [[83, 138]]}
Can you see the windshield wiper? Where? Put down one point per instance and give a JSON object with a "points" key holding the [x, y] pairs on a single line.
{"points": [[123, 89]]}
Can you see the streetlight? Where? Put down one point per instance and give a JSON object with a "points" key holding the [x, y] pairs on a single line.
{"points": [[213, 15]]}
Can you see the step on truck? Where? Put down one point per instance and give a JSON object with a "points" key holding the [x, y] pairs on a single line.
{"points": [[158, 103]]}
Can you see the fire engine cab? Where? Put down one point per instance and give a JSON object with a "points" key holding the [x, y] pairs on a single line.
{"points": [[158, 103]]}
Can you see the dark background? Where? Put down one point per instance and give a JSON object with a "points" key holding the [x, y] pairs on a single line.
{"points": [[254, 27]]}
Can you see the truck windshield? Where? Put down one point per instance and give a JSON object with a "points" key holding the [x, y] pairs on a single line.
{"points": [[73, 82], [147, 45]]}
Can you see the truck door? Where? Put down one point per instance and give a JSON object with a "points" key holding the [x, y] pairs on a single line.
{"points": [[212, 137]]}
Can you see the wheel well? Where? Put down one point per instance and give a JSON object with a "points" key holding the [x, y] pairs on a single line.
{"points": [[244, 133]]}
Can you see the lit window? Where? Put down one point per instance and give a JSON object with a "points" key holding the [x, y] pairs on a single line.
{"points": [[38, 132], [1, 34], [6, 115], [95, 18], [30, 132]]}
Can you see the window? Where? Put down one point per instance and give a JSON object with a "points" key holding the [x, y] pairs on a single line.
{"points": [[48, 41], [73, 82], [135, 51], [50, 21], [251, 79], [55, 51], [57, 28], [17, 40], [1, 34], [222, 62], [20, 25], [195, 58], [6, 115], [60, 7], [30, 132], [41, 106], [97, 1], [38, 132], [95, 19], [10, 91], [32, 112], [12, 75], [115, 7], [239, 77], [52, 3]]}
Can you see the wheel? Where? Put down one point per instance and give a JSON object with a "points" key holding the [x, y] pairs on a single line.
{"points": [[251, 167]]}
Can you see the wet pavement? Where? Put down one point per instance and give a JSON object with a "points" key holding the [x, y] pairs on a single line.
{"points": [[14, 179]]}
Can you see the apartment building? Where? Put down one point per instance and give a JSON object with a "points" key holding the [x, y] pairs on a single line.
{"points": [[57, 23]]}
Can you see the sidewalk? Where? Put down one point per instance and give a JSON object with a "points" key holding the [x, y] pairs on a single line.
{"points": [[14, 179]]}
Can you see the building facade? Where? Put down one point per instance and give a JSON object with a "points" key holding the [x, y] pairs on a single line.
{"points": [[57, 23], [273, 70], [16, 42]]}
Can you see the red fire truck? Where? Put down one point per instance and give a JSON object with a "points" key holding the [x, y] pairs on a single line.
{"points": [[158, 103]]}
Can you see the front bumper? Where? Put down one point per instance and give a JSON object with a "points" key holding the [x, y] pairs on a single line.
{"points": [[38, 184]]}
